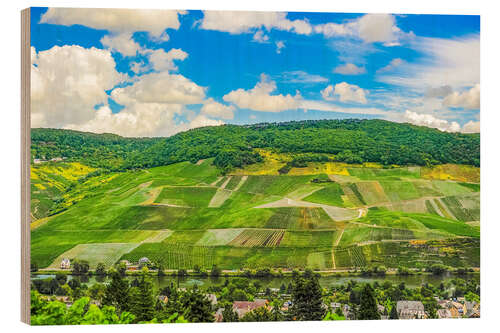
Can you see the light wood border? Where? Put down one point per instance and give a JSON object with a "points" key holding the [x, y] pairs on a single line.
{"points": [[25, 163]]}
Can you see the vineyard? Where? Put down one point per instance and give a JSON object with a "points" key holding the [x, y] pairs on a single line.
{"points": [[188, 214], [254, 238]]}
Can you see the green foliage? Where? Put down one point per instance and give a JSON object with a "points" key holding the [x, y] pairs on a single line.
{"points": [[117, 293], [142, 298], [351, 140], [81, 312], [196, 306], [368, 305], [306, 297]]}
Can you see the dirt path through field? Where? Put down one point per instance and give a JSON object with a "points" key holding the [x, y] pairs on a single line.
{"points": [[223, 186], [335, 244], [240, 184]]}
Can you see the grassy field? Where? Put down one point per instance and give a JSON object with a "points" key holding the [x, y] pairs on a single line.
{"points": [[179, 215]]}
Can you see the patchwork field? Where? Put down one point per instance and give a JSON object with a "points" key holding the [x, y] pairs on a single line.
{"points": [[324, 216]]}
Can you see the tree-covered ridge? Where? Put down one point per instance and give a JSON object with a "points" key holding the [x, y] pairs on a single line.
{"points": [[97, 150], [351, 141]]}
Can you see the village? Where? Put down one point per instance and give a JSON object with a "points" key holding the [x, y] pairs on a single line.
{"points": [[247, 298]]}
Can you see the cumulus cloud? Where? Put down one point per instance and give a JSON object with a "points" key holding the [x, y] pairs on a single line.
{"points": [[164, 61], [236, 22], [391, 66], [122, 43], [370, 28], [67, 82], [471, 127], [259, 98], [345, 92], [431, 121], [377, 28], [153, 105], [218, 110], [116, 20], [469, 99], [349, 69], [160, 88]]}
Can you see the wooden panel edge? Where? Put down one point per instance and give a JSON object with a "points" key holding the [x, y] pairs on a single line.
{"points": [[25, 163]]}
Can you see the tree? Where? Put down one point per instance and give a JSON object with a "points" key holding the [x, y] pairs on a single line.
{"points": [[394, 313], [196, 307], [61, 278], [306, 297], [117, 293], [216, 271], [80, 267], [100, 269], [228, 314], [368, 305], [258, 315], [142, 302], [97, 292]]}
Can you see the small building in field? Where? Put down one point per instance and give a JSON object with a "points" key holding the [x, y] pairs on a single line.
{"points": [[410, 310], [65, 263]]}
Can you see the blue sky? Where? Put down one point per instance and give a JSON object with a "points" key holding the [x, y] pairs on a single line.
{"points": [[155, 73]]}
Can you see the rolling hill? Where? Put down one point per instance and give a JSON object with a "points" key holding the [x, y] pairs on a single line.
{"points": [[321, 194]]}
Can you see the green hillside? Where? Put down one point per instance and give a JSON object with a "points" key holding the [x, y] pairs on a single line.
{"points": [[369, 216], [232, 146]]}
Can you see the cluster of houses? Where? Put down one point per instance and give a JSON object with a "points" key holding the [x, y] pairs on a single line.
{"points": [[458, 308], [455, 308]]}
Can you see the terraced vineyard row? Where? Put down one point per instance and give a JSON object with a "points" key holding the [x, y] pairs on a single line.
{"points": [[254, 238]]}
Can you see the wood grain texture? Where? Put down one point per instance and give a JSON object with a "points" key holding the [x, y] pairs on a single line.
{"points": [[25, 163]]}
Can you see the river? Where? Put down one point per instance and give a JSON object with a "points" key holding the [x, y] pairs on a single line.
{"points": [[275, 282]]}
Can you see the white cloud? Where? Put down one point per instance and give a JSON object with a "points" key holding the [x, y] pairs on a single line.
{"points": [[391, 66], [436, 92], [218, 110], [122, 43], [302, 77], [116, 20], [160, 88], [164, 61], [469, 99], [153, 105], [260, 37], [139, 120], [471, 127], [67, 82], [430, 121], [259, 98], [236, 22], [345, 92], [279, 45], [446, 62], [349, 69], [370, 28], [331, 107], [335, 29], [376, 28]]}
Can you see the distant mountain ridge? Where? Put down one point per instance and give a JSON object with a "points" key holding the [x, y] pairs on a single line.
{"points": [[350, 140]]}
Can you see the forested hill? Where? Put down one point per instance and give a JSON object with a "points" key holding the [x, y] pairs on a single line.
{"points": [[351, 140]]}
